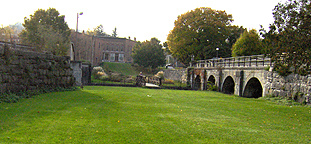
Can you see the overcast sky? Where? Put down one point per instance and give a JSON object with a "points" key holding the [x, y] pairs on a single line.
{"points": [[142, 19]]}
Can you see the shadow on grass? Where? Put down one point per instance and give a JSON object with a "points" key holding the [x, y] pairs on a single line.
{"points": [[54, 112]]}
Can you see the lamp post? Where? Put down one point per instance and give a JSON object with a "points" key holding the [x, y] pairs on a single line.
{"points": [[217, 49], [192, 59], [81, 13]]}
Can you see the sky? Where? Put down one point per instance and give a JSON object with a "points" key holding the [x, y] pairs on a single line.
{"points": [[143, 19]]}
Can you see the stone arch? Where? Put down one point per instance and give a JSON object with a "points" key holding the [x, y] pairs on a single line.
{"points": [[253, 88], [228, 86], [197, 82]]}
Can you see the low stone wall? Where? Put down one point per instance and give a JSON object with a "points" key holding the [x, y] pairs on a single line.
{"points": [[290, 86], [27, 70], [176, 75]]}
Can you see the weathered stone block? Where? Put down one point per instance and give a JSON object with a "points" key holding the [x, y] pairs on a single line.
{"points": [[275, 93], [287, 86], [282, 93]]}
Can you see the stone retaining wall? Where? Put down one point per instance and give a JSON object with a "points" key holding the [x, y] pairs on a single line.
{"points": [[289, 86], [27, 70], [176, 75]]}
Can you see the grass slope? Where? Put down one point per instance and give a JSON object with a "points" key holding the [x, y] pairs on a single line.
{"points": [[123, 68], [138, 115]]}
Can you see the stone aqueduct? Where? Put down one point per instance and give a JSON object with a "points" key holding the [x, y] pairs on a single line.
{"points": [[244, 76]]}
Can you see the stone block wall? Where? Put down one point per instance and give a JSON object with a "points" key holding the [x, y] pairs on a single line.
{"points": [[76, 66], [176, 75], [289, 86], [27, 70]]}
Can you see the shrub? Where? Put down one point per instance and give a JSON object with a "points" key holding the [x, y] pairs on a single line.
{"points": [[168, 81], [98, 72], [160, 74], [211, 87], [9, 98], [116, 77]]}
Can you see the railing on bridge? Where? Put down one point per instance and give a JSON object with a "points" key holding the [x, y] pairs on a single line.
{"points": [[17, 46], [242, 61]]}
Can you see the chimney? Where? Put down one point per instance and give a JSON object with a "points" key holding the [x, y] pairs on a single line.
{"points": [[129, 38], [134, 38]]}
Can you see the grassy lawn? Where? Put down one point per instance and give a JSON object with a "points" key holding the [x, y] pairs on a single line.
{"points": [[138, 115], [123, 68]]}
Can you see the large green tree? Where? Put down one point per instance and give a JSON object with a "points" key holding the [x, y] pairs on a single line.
{"points": [[149, 54], [42, 28], [249, 43], [289, 37], [199, 32]]}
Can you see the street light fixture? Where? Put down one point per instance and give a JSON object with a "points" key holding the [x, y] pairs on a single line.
{"points": [[81, 13], [217, 49]]}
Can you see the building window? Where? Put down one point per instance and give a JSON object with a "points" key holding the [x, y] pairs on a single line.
{"points": [[106, 56], [121, 57], [116, 57], [112, 57]]}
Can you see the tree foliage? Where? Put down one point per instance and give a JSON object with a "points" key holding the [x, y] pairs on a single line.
{"points": [[47, 31], [149, 54], [114, 32], [10, 33], [289, 37], [98, 31], [199, 32], [249, 43], [6, 34]]}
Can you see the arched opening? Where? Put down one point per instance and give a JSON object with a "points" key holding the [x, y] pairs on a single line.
{"points": [[211, 80], [72, 52], [228, 86], [253, 89], [197, 82], [210, 84]]}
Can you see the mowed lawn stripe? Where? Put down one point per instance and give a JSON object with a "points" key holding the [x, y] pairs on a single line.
{"points": [[138, 115]]}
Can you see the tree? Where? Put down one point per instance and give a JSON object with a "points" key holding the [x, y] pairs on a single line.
{"points": [[10, 33], [98, 31], [149, 54], [6, 33], [114, 32], [289, 37], [52, 37], [41, 27], [249, 43], [199, 32]]}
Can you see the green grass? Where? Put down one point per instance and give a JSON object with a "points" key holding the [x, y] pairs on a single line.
{"points": [[176, 84], [138, 115], [123, 68]]}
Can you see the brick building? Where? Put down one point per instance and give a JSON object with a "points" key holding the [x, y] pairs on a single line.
{"points": [[102, 49]]}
